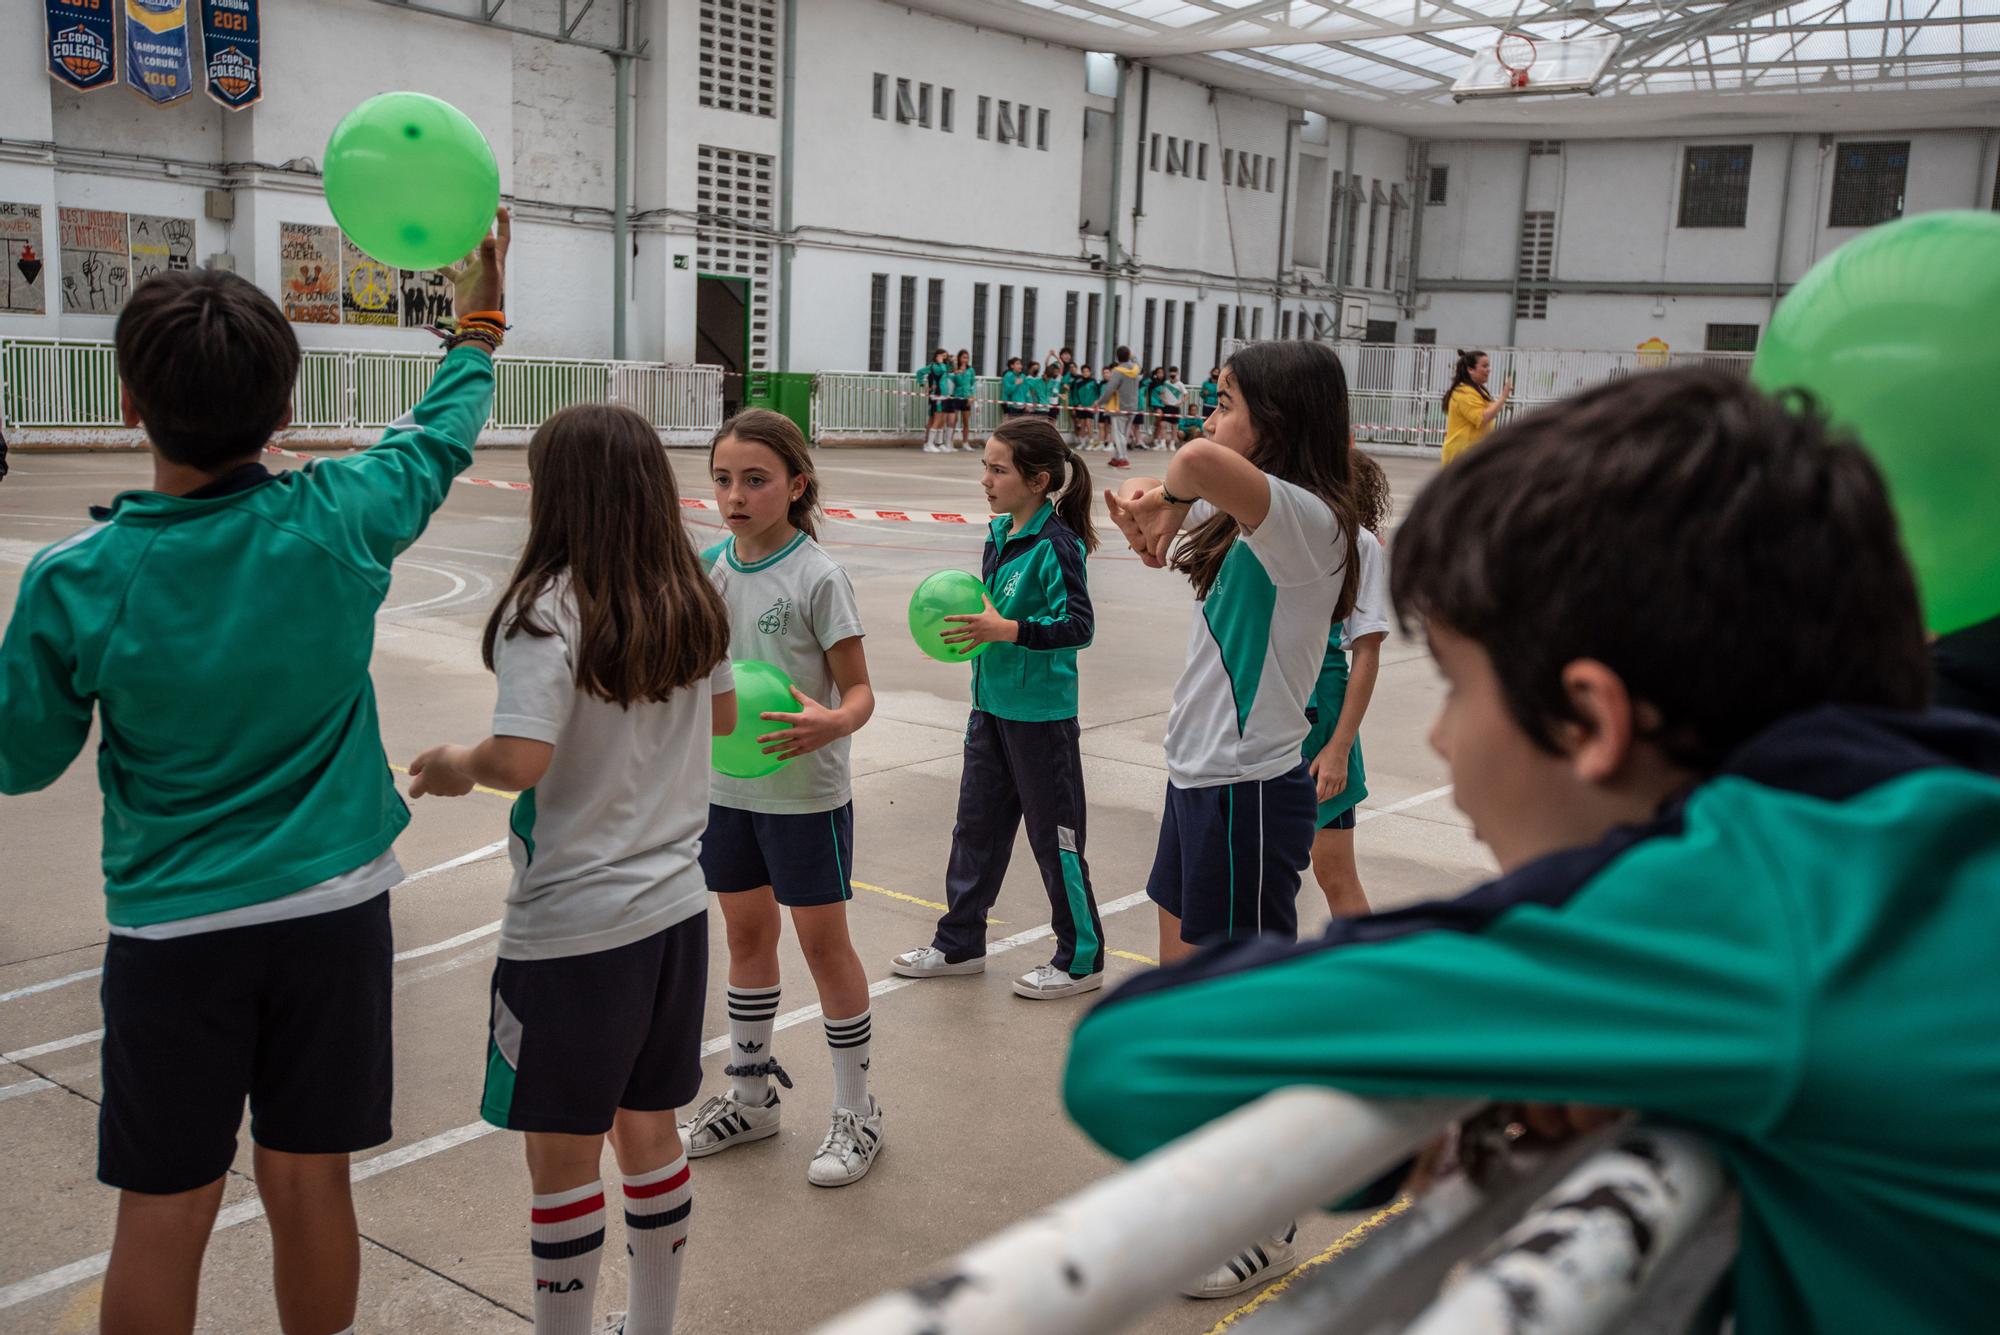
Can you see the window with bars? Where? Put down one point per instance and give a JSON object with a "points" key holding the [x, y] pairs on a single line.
{"points": [[738, 55], [945, 99], [1868, 182], [924, 105], [1270, 175], [1201, 167], [1389, 243], [985, 110], [1730, 338], [1003, 128], [1221, 330], [1029, 296], [1257, 324], [1715, 185], [1545, 148], [881, 102], [1146, 335], [1042, 129], [1167, 313], [1374, 229], [1238, 327], [1348, 228], [1153, 160], [1284, 324], [1440, 180], [1117, 324], [1006, 325], [878, 319], [1093, 320], [1425, 337], [1228, 165], [1187, 339], [906, 103], [979, 291], [906, 325], [1535, 264], [1177, 157], [933, 315], [733, 201], [1069, 321]]}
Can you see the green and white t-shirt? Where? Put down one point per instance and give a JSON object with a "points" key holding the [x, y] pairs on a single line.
{"points": [[606, 846], [788, 610], [1255, 645]]}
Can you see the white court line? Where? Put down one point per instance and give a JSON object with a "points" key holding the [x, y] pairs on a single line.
{"points": [[50, 985], [25, 1087], [1370, 813], [90, 1267]]}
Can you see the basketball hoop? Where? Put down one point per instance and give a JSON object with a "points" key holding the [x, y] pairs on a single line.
{"points": [[1515, 52]]}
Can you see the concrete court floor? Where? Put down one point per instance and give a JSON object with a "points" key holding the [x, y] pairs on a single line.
{"points": [[968, 1074]]}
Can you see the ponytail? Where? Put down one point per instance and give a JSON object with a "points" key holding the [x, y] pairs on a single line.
{"points": [[1038, 448]]}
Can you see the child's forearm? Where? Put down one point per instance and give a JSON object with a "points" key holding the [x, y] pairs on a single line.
{"points": [[1361, 675], [512, 763], [857, 706]]}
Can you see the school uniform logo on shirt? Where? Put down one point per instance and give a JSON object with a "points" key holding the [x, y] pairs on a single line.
{"points": [[777, 619], [1013, 583]]}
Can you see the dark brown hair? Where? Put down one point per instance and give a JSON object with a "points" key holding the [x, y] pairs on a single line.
{"points": [[1040, 451], [1370, 487], [209, 361], [781, 435], [605, 511], [1296, 395], [1730, 559], [1461, 374]]}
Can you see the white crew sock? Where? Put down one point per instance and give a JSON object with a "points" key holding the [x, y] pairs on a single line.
{"points": [[850, 1040]]}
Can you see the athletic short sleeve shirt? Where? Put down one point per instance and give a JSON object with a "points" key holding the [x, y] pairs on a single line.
{"points": [[1255, 646], [605, 847], [1371, 594], [788, 610]]}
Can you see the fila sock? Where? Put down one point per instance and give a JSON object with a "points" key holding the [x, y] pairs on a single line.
{"points": [[656, 1233], [566, 1235]]}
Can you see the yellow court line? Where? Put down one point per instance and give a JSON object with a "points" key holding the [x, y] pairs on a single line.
{"points": [[1345, 1242], [477, 787], [1128, 955], [898, 894]]}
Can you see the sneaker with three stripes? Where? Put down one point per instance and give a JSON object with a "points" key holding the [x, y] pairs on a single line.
{"points": [[725, 1121], [1263, 1260]]}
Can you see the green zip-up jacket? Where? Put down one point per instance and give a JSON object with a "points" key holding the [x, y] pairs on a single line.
{"points": [[1011, 393], [934, 378], [1034, 390], [1794, 959], [964, 382], [1084, 392], [1036, 578], [224, 644]]}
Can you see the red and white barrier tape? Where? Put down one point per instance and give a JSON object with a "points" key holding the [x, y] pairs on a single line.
{"points": [[1188, 410], [694, 503]]}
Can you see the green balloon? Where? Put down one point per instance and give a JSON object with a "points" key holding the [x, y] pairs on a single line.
{"points": [[1894, 334], [760, 689], [411, 180], [945, 594]]}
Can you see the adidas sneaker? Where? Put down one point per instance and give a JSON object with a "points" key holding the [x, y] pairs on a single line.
{"points": [[1263, 1260], [725, 1121], [850, 1147]]}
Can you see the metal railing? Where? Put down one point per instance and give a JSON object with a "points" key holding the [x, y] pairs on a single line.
{"points": [[71, 385], [1395, 390], [1102, 1259]]}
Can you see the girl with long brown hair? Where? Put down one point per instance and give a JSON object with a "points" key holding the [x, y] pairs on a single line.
{"points": [[787, 839], [1022, 758], [610, 648]]}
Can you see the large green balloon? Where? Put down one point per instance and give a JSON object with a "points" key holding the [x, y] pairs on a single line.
{"points": [[760, 689], [411, 180], [1897, 335], [944, 594]]}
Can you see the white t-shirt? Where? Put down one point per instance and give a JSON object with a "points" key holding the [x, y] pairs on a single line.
{"points": [[788, 610], [1371, 592], [1255, 646], [606, 846]]}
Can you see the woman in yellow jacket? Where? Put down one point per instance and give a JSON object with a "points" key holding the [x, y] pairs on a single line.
{"points": [[1469, 411]]}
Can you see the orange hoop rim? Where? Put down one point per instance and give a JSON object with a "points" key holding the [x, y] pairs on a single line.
{"points": [[1517, 68]]}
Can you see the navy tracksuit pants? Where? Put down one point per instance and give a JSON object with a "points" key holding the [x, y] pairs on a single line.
{"points": [[1013, 771]]}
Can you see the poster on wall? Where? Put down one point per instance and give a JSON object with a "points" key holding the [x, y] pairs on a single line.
{"points": [[426, 297], [309, 272], [82, 43], [159, 244], [156, 49], [22, 291], [368, 288], [230, 63], [96, 267]]}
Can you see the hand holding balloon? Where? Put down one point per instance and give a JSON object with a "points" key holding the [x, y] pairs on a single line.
{"points": [[479, 281], [943, 597], [806, 731], [980, 628], [741, 753]]}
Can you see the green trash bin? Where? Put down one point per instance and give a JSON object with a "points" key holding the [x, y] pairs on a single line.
{"points": [[786, 392]]}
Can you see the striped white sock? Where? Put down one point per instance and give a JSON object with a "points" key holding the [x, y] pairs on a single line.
{"points": [[656, 1233], [566, 1235], [753, 1013], [850, 1040]]}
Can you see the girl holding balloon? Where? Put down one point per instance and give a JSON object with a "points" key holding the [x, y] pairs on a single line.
{"points": [[1022, 758], [784, 835]]}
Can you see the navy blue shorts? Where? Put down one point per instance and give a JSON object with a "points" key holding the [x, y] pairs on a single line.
{"points": [[1230, 857], [292, 1015], [806, 859], [571, 1040], [953, 406], [1344, 821]]}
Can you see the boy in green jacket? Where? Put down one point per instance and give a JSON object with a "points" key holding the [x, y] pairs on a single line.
{"points": [[247, 838], [1747, 879]]}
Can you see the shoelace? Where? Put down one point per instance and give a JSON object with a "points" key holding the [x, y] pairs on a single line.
{"points": [[844, 1136], [1043, 974]]}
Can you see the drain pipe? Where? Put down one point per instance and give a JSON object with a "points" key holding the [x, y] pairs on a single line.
{"points": [[1520, 235], [1420, 181], [1346, 217], [786, 246], [1111, 249], [1284, 218], [621, 179], [1784, 215], [1139, 176]]}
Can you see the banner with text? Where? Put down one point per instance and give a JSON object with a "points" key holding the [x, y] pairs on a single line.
{"points": [[309, 272], [82, 43], [231, 65], [22, 291], [96, 266], [156, 49]]}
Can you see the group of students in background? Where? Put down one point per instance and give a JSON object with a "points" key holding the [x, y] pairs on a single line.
{"points": [[1121, 407]]}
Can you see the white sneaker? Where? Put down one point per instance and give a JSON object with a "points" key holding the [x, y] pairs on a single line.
{"points": [[929, 962], [1263, 1260], [1046, 981], [850, 1147], [725, 1121]]}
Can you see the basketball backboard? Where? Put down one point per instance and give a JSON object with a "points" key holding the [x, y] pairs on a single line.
{"points": [[1523, 66]]}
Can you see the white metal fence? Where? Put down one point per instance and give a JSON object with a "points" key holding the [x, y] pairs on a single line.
{"points": [[71, 386], [1395, 390]]}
